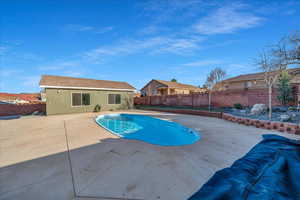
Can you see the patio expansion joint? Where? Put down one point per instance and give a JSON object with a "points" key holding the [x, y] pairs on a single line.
{"points": [[78, 196], [69, 159]]}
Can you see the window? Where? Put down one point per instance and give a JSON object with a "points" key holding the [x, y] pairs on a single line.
{"points": [[76, 99], [114, 99], [80, 99], [248, 84], [85, 99]]}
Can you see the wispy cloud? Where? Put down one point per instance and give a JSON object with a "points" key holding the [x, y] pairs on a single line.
{"points": [[201, 63], [153, 45], [58, 65], [91, 29], [3, 50], [31, 81], [239, 68], [148, 30], [227, 19], [288, 7], [4, 73], [180, 46], [167, 10], [72, 73], [32, 57]]}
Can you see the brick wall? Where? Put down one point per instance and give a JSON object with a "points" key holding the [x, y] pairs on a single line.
{"points": [[219, 99], [21, 109], [244, 97]]}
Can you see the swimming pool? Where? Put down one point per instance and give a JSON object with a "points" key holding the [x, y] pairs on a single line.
{"points": [[148, 129]]}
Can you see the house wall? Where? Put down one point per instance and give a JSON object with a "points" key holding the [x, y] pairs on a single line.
{"points": [[258, 84], [152, 89], [241, 85], [59, 101], [182, 91]]}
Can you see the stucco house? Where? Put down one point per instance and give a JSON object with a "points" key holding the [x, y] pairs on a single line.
{"points": [[160, 87], [255, 81], [75, 95]]}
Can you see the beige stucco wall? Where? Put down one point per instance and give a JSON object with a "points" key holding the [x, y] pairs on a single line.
{"points": [[151, 88], [258, 84], [59, 101], [241, 85], [182, 91], [156, 88]]}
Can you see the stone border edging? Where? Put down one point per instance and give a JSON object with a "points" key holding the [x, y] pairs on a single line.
{"points": [[271, 125]]}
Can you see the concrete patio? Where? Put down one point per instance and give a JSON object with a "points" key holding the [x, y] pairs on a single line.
{"points": [[71, 157]]}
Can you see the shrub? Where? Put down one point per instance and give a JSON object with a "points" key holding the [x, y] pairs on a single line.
{"points": [[238, 106], [291, 108], [284, 88], [97, 108]]}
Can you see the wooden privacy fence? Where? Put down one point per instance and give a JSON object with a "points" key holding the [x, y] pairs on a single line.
{"points": [[219, 99]]}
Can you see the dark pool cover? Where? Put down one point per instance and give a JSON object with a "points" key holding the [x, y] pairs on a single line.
{"points": [[270, 170]]}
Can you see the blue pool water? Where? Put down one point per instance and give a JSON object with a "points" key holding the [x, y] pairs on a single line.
{"points": [[148, 129]]}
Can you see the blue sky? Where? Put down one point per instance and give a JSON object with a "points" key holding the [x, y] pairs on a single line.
{"points": [[136, 41]]}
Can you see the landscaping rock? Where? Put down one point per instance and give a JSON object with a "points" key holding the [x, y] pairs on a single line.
{"points": [[258, 109], [243, 111], [280, 109], [285, 118]]}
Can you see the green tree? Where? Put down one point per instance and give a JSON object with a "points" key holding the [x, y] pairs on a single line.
{"points": [[284, 88], [173, 80]]}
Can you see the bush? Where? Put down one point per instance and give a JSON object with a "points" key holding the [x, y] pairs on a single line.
{"points": [[97, 108], [292, 108], [284, 88], [238, 106]]}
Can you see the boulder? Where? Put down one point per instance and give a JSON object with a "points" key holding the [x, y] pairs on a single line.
{"points": [[285, 117], [293, 116], [243, 111], [258, 109]]}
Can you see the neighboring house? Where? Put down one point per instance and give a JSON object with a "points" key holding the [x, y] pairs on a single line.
{"points": [[76, 95], [137, 94], [19, 98], [43, 96], [4, 102], [254, 81], [159, 87]]}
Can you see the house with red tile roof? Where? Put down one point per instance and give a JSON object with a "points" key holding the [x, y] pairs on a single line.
{"points": [[19, 98]]}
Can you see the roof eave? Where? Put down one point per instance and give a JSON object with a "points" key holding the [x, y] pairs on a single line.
{"points": [[87, 88]]}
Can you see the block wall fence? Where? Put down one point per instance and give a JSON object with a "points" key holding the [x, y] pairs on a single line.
{"points": [[219, 99], [21, 109]]}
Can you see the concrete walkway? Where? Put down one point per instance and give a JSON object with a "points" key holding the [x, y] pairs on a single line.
{"points": [[71, 157]]}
